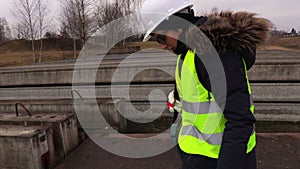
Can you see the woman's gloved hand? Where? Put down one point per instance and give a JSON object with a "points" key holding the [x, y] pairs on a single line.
{"points": [[173, 104]]}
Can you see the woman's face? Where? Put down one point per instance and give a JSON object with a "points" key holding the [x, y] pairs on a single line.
{"points": [[167, 38]]}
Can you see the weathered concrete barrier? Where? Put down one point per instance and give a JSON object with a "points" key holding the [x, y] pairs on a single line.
{"points": [[62, 74], [62, 126], [64, 130], [275, 81], [275, 72], [260, 72], [25, 147], [262, 92], [273, 101]]}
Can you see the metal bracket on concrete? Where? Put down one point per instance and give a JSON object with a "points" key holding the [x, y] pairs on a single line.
{"points": [[75, 91], [22, 105]]}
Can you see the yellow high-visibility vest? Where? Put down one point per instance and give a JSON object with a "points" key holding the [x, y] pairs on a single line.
{"points": [[203, 122]]}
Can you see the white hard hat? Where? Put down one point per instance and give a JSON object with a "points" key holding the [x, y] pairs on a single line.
{"points": [[155, 12]]}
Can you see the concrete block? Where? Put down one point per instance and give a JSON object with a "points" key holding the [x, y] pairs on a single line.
{"points": [[277, 111], [25, 147], [275, 72], [276, 92], [64, 127]]}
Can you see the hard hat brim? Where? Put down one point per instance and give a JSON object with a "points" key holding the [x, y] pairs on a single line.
{"points": [[147, 36]]}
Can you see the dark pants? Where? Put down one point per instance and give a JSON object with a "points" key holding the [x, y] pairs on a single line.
{"points": [[191, 161]]}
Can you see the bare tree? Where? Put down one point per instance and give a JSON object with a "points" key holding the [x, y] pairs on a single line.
{"points": [[126, 5], [69, 22], [84, 18], [76, 16], [106, 13], [20, 32], [24, 11], [130, 6], [5, 32], [42, 14]]}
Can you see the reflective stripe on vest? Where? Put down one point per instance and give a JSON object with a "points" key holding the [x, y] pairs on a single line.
{"points": [[201, 107], [214, 139], [204, 107]]}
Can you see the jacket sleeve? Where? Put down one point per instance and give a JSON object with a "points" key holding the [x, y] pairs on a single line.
{"points": [[249, 56]]}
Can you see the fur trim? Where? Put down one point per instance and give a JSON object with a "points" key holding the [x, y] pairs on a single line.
{"points": [[233, 30]]}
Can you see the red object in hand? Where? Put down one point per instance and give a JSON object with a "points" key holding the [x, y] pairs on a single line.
{"points": [[171, 106]]}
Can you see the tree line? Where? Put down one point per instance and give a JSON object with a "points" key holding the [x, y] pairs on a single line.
{"points": [[78, 20]]}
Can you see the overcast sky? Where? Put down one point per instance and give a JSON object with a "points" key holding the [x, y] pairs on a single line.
{"points": [[285, 14]]}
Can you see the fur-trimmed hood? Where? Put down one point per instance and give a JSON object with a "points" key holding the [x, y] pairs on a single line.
{"points": [[233, 30]]}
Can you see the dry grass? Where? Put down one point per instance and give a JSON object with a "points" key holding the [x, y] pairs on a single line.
{"points": [[270, 47], [17, 52], [286, 42], [9, 58]]}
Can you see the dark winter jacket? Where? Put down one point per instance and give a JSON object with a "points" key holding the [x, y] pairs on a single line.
{"points": [[235, 35]]}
